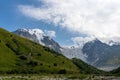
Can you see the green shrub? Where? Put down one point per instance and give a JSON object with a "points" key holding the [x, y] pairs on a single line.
{"points": [[41, 64], [55, 64], [11, 35], [23, 57], [63, 62], [33, 63], [62, 71], [38, 54]]}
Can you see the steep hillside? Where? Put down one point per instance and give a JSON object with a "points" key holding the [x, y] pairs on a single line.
{"points": [[20, 55], [85, 68], [116, 71]]}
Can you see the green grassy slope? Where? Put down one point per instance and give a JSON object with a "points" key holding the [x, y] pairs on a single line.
{"points": [[116, 72], [85, 68], [20, 55]]}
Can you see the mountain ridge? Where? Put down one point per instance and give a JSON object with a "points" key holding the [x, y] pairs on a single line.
{"points": [[39, 36], [95, 52], [102, 55]]}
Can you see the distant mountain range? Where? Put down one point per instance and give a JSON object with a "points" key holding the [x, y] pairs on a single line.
{"points": [[101, 55], [95, 53]]}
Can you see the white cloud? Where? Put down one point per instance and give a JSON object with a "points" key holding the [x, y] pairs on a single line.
{"points": [[78, 40], [51, 34], [95, 18]]}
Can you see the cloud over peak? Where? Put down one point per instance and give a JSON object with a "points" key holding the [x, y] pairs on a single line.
{"points": [[95, 18], [51, 34]]}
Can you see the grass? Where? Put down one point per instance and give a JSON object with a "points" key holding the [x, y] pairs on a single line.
{"points": [[20, 55]]}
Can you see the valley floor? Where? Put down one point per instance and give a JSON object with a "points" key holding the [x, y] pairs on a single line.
{"points": [[57, 77]]}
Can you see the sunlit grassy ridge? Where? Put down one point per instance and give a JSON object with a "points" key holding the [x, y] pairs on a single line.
{"points": [[20, 55]]}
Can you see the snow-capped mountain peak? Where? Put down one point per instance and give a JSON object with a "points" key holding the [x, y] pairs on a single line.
{"points": [[33, 34], [38, 36], [32, 31], [35, 31]]}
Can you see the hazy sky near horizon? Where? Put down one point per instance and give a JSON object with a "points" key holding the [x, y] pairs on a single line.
{"points": [[73, 21]]}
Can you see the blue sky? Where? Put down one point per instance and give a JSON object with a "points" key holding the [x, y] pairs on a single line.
{"points": [[74, 21], [11, 19]]}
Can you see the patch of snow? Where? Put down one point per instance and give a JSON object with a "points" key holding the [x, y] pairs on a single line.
{"points": [[74, 52], [108, 68], [38, 33]]}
